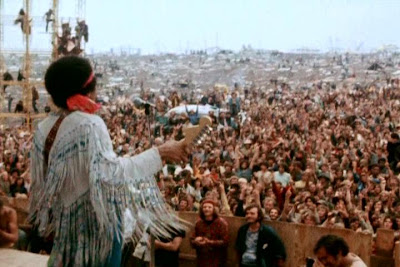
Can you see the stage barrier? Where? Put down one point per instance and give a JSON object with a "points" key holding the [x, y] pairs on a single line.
{"points": [[299, 240]]}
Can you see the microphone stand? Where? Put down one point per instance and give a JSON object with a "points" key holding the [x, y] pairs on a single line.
{"points": [[149, 119]]}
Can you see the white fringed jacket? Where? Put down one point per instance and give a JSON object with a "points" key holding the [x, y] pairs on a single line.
{"points": [[86, 189]]}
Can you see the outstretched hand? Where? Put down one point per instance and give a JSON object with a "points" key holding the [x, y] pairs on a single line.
{"points": [[174, 151]]}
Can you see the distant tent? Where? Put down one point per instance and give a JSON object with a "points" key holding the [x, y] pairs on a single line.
{"points": [[375, 66]]}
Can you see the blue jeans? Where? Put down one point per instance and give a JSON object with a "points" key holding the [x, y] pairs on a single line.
{"points": [[116, 253]]}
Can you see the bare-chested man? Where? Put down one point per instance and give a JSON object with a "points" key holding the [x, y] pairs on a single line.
{"points": [[8, 226]]}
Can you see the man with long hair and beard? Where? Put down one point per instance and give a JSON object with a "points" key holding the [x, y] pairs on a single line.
{"points": [[258, 245]]}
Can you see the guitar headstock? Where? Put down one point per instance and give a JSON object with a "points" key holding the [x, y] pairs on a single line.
{"points": [[195, 135]]}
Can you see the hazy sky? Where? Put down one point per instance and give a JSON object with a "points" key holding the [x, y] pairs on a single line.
{"points": [[179, 25]]}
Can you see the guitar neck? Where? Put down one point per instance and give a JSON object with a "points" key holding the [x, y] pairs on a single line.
{"points": [[195, 135]]}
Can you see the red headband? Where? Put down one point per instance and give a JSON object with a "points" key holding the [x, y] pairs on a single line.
{"points": [[89, 80]]}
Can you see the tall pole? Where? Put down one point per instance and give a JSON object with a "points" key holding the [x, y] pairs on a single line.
{"points": [[2, 64], [54, 37], [27, 68]]}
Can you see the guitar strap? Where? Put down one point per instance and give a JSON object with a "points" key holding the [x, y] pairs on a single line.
{"points": [[51, 137]]}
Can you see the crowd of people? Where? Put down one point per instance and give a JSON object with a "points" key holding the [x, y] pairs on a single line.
{"points": [[319, 157], [15, 145]]}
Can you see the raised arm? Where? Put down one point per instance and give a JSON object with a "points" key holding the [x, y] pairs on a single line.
{"points": [[255, 156], [225, 208], [116, 169]]}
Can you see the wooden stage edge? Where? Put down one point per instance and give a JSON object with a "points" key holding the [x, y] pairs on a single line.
{"points": [[17, 258]]}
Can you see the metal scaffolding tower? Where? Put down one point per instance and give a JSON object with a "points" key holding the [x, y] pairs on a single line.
{"points": [[54, 35], [28, 83]]}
